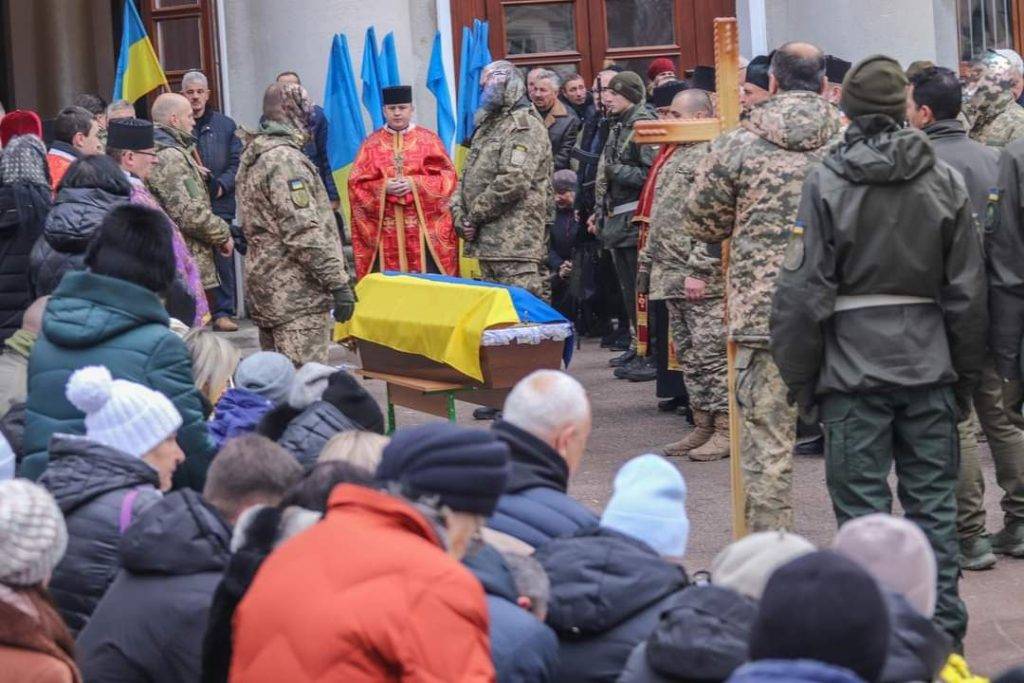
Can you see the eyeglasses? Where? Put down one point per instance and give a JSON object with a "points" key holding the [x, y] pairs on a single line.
{"points": [[148, 154]]}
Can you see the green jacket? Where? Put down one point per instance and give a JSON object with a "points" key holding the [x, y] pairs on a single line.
{"points": [[880, 216], [621, 174], [98, 320]]}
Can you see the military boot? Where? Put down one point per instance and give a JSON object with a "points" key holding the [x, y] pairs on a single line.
{"points": [[976, 554], [696, 437], [1010, 541], [717, 447]]}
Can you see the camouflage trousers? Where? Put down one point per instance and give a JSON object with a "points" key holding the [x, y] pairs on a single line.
{"points": [[303, 340], [698, 331], [767, 437], [1006, 442], [528, 275]]}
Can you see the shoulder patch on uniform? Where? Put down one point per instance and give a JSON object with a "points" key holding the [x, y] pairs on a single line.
{"points": [[299, 192], [795, 248], [518, 156]]}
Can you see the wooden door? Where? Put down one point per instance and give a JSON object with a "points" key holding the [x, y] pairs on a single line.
{"points": [[184, 35]]}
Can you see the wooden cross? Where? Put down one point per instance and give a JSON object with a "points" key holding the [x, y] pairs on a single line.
{"points": [[727, 86]]}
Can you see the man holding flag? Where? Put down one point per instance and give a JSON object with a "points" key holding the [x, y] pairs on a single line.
{"points": [[400, 185]]}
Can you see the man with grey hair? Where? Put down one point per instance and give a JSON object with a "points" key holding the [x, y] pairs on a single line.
{"points": [[562, 123], [120, 109], [546, 423], [501, 205], [220, 150]]}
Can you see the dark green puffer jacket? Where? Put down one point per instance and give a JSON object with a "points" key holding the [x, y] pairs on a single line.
{"points": [[97, 320]]}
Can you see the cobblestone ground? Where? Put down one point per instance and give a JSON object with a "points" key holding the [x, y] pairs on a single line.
{"points": [[627, 423]]}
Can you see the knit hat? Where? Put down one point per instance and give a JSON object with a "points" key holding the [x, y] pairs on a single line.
{"points": [[629, 85], [267, 373], [308, 385], [746, 565], [649, 504], [122, 415], [345, 393], [32, 533], [24, 159], [825, 608], [876, 85], [20, 122], [660, 66], [564, 180], [896, 552], [134, 243], [466, 468], [666, 92]]}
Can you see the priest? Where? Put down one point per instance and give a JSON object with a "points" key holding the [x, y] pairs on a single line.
{"points": [[399, 190]]}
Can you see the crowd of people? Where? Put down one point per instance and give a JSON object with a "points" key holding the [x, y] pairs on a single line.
{"points": [[170, 511]]}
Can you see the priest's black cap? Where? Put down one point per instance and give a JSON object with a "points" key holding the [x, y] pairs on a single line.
{"points": [[397, 94], [703, 78], [836, 68], [129, 133], [757, 71], [666, 92]]}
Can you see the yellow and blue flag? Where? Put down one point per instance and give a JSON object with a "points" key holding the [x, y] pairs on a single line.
{"points": [[138, 69], [345, 130], [437, 83], [475, 56], [371, 75], [387, 62]]}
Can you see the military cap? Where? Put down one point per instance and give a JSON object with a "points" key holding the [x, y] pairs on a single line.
{"points": [[397, 94], [129, 133], [666, 92], [629, 85]]}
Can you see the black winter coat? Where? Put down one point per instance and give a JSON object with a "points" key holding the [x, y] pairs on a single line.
{"points": [[524, 650], [701, 636], [90, 483], [306, 435], [607, 592], [220, 149], [69, 229], [535, 506], [316, 150], [150, 624], [23, 211], [918, 649]]}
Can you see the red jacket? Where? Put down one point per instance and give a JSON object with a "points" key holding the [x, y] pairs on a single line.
{"points": [[58, 163], [368, 594]]}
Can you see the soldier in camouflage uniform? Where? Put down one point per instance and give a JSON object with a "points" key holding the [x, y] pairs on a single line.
{"points": [[177, 182], [294, 269], [688, 275], [991, 106], [502, 203], [748, 188], [621, 174]]}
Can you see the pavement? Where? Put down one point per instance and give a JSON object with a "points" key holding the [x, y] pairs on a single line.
{"points": [[627, 423]]}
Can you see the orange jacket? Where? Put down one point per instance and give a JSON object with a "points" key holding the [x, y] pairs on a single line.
{"points": [[58, 164], [368, 594]]}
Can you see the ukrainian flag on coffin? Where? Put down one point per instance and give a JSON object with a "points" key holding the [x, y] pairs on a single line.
{"points": [[444, 318], [138, 69]]}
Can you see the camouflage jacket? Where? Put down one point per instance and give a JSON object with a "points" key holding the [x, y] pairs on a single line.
{"points": [[996, 118], [748, 188], [178, 184], [294, 260], [621, 174], [670, 254], [505, 190]]}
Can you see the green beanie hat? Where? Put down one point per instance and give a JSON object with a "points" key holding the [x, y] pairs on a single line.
{"points": [[876, 85], [629, 85]]}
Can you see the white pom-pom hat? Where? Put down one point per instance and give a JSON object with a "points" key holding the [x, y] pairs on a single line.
{"points": [[122, 415]]}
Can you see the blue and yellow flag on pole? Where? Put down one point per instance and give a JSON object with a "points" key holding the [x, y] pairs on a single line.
{"points": [[437, 83], [388, 62], [345, 130], [138, 69], [474, 57], [371, 72]]}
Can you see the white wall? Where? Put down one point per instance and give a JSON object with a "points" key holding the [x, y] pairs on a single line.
{"points": [[266, 37], [853, 29]]}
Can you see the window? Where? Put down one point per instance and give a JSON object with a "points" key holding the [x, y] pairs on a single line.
{"points": [[184, 35], [984, 25], [539, 28], [632, 24]]}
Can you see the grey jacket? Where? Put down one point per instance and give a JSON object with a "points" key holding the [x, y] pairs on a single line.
{"points": [[1004, 243], [977, 163], [880, 216]]}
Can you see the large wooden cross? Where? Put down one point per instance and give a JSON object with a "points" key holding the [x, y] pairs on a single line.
{"points": [[727, 86]]}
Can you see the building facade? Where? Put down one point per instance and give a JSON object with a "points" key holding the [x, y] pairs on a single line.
{"points": [[52, 49]]}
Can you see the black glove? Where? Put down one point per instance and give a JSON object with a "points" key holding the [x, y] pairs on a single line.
{"points": [[643, 282], [344, 303]]}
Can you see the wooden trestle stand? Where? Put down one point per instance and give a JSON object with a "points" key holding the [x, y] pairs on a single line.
{"points": [[727, 75]]}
